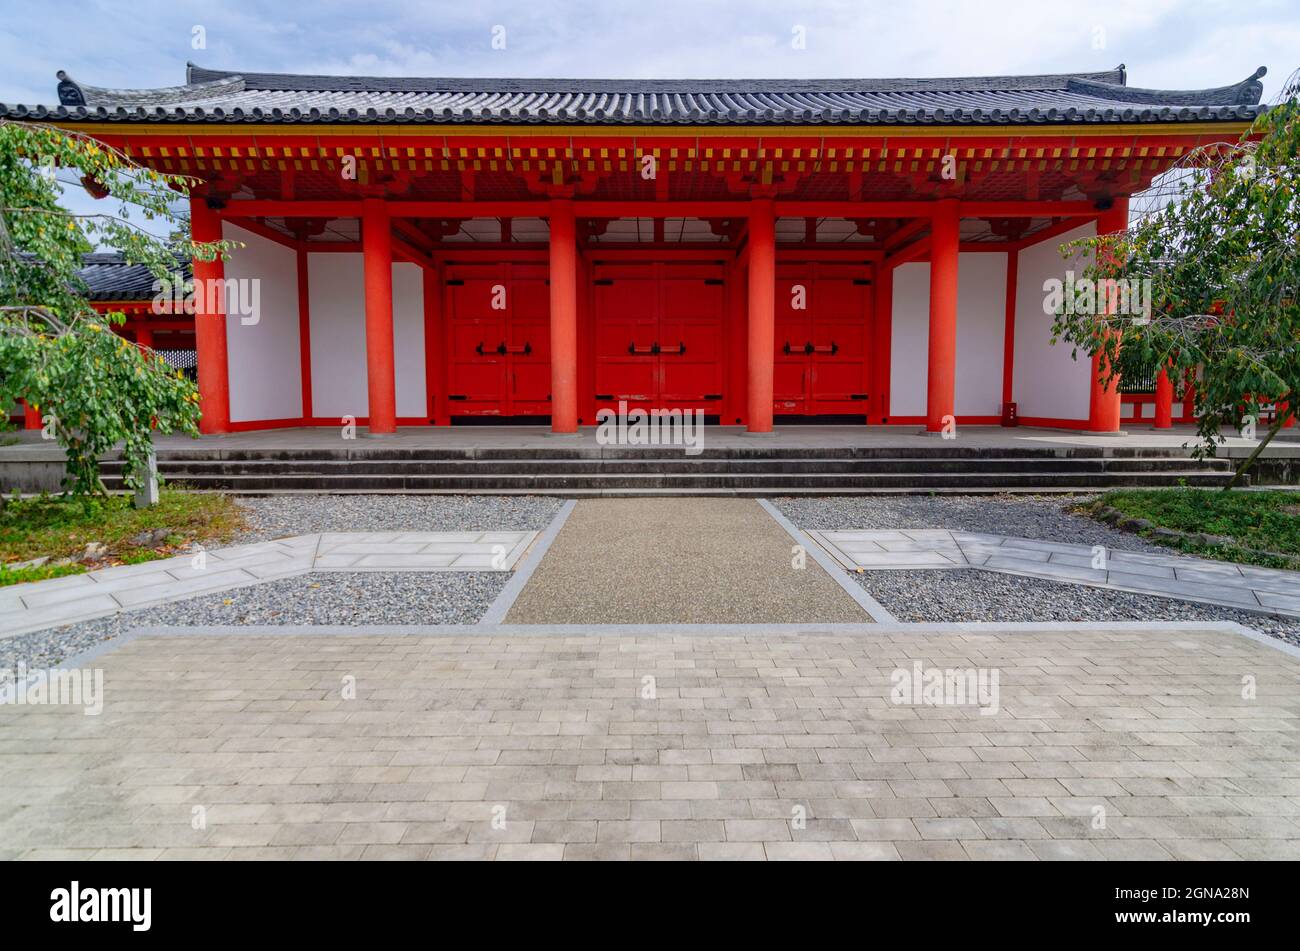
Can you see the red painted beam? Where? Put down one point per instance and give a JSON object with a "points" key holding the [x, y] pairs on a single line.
{"points": [[941, 380], [1164, 400], [210, 324], [1104, 404], [564, 317], [381, 385], [762, 313], [1009, 328]]}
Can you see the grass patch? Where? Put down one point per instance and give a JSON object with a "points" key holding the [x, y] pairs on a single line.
{"points": [[60, 529], [1263, 527]]}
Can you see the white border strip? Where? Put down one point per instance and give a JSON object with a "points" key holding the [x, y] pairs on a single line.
{"points": [[687, 630], [524, 568], [832, 567]]}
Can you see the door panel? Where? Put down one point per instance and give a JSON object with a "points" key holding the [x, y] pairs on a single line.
{"points": [[659, 337], [822, 350], [499, 359]]}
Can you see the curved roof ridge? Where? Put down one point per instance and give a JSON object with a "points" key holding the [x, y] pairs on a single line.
{"points": [[1248, 92], [320, 82], [73, 93]]}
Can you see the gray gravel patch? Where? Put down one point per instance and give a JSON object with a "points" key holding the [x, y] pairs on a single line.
{"points": [[280, 516], [969, 594], [355, 599], [1044, 518]]}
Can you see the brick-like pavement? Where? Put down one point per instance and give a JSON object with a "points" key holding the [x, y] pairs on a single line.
{"points": [[1106, 744]]}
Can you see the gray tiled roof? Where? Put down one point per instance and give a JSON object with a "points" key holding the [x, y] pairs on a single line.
{"points": [[109, 277], [281, 98]]}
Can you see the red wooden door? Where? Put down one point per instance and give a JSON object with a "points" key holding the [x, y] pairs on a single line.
{"points": [[840, 324], [791, 372], [659, 336], [498, 341], [823, 334]]}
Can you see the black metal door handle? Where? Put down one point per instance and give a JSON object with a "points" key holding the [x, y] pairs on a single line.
{"points": [[681, 348]]}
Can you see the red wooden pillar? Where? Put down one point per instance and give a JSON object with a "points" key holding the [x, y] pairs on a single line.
{"points": [[381, 379], [1104, 398], [31, 417], [144, 337], [1189, 395], [210, 323], [564, 317], [941, 383], [1164, 400], [761, 332]]}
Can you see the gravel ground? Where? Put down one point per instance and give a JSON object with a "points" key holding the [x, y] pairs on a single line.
{"points": [[974, 595], [283, 515], [969, 594], [452, 597], [1026, 516]]}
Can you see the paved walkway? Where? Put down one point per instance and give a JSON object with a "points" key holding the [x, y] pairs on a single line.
{"points": [[1105, 744], [678, 561], [1264, 590], [39, 604]]}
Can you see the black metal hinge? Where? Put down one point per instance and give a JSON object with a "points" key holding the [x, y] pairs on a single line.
{"points": [[859, 396], [455, 282], [714, 280], [457, 396], [603, 281]]}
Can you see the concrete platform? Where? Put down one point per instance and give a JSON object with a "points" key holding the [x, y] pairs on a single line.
{"points": [[30, 447]]}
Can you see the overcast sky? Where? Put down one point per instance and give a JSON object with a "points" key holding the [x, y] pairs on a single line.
{"points": [[1165, 43], [1172, 44]]}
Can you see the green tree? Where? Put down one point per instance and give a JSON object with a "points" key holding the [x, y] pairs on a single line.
{"points": [[1221, 252], [95, 389]]}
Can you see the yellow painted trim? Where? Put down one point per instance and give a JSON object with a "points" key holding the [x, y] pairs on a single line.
{"points": [[905, 131]]}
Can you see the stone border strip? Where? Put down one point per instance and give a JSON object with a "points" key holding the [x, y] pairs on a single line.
{"points": [[974, 628], [35, 605], [500, 607], [875, 610], [1266, 591]]}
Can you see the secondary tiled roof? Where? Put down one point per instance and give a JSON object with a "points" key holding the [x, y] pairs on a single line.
{"points": [[281, 98], [109, 277]]}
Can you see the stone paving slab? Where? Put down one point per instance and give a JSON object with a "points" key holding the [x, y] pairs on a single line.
{"points": [[40, 604], [1108, 742], [1262, 590]]}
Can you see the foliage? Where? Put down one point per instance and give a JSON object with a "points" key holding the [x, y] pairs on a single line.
{"points": [[61, 527], [1257, 522], [93, 389], [1222, 256]]}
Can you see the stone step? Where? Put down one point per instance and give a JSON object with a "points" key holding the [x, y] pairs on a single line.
{"points": [[376, 450], [680, 465], [759, 483]]}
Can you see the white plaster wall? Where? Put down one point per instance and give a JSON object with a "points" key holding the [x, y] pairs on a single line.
{"points": [[264, 357], [1047, 383], [336, 297], [408, 340], [981, 332], [909, 340], [338, 336], [981, 322]]}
